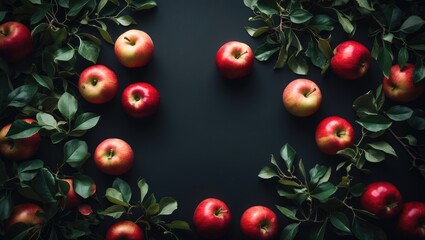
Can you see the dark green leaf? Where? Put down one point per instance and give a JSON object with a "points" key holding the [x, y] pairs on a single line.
{"points": [[30, 166], [46, 120], [86, 121], [375, 49], [57, 137], [403, 57], [316, 173], [419, 73], [321, 22], [299, 16], [375, 123], [282, 58], [83, 185], [152, 209], [22, 129], [138, 5], [105, 35], [89, 50], [384, 147], [399, 113], [22, 95], [385, 61], [43, 81], [319, 232], [114, 211], [115, 196], [178, 224], [143, 187], [287, 153], [288, 182], [125, 20], [64, 54], [124, 188], [257, 32], [373, 155], [2, 15], [417, 121], [357, 189], [76, 6], [290, 231], [362, 230], [365, 105], [167, 206], [345, 22], [268, 7], [412, 24], [6, 205], [101, 5], [40, 13], [75, 152], [265, 51], [44, 184], [393, 15], [340, 221], [316, 55], [298, 64], [365, 4], [287, 195], [323, 191], [291, 214], [68, 105], [267, 173]]}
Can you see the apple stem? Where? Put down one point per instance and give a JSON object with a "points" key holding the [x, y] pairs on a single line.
{"points": [[111, 153], [131, 42], [309, 93], [237, 56], [3, 33]]}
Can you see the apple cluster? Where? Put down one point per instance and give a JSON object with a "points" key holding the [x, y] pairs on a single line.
{"points": [[212, 219], [385, 201]]}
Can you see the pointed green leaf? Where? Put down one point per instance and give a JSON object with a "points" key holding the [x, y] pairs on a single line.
{"points": [[290, 231], [267, 173]]}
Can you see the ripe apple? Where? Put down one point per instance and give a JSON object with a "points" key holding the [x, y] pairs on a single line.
{"points": [[212, 218], [382, 199], [333, 134], [399, 86], [113, 156], [134, 48], [351, 60], [234, 60], [411, 220], [85, 209], [302, 97], [25, 213], [259, 222], [124, 230], [98, 84], [15, 41], [140, 100], [18, 149], [72, 198]]}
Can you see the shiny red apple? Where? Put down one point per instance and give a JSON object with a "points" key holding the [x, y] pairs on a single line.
{"points": [[15, 41], [212, 218], [124, 230], [399, 86], [333, 134], [234, 60], [98, 84], [302, 97], [259, 223], [134, 48], [382, 199], [113, 156], [411, 220], [351, 60], [140, 100]]}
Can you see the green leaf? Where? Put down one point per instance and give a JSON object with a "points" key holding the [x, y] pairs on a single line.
{"points": [[83, 185], [89, 50], [362, 229], [419, 73], [86, 121], [321, 22], [384, 147], [385, 60], [265, 51], [76, 6], [6, 205], [365, 105], [291, 214], [21, 129], [316, 173], [2, 15], [298, 64], [40, 13], [357, 189], [124, 188], [315, 54], [57, 137], [365, 5], [64, 54], [114, 211], [125, 20], [412, 24], [22, 95], [30, 166], [287, 153], [167, 206], [282, 58], [345, 23], [105, 35], [152, 209], [44, 185], [68, 105], [340, 221], [101, 5], [76, 152], [299, 16], [268, 7], [267, 173], [290, 231], [373, 155], [417, 121], [144, 188], [375, 123], [256, 32], [115, 196], [375, 49], [142, 5], [319, 232], [399, 113], [323, 191], [178, 224], [46, 120], [403, 57], [43, 81]]}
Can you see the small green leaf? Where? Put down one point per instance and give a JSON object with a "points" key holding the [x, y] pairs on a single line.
{"points": [[6, 205], [316, 55], [257, 32], [268, 7], [178, 224], [142, 5], [43, 81], [124, 188], [319, 232], [152, 209], [321, 22], [68, 105], [299, 16], [114, 196], [125, 20], [76, 6], [365, 105], [316, 173], [298, 64], [22, 95], [419, 73], [282, 58], [375, 123], [114, 211], [323, 191], [265, 51], [105, 35], [399, 113], [412, 24], [287, 153], [167, 206], [340, 221], [267, 173], [362, 229], [86, 121], [30, 166], [287, 212], [346, 24], [417, 121], [384, 147], [83, 185], [144, 187], [403, 57], [385, 60], [365, 5], [21, 129], [76, 152], [64, 54], [290, 231], [373, 155], [89, 50]]}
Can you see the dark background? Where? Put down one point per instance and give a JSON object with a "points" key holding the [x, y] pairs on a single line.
{"points": [[212, 136]]}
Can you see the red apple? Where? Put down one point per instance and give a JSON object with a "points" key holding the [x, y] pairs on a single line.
{"points": [[98, 84], [333, 134], [18, 149], [234, 60], [15, 41], [302, 97], [140, 100], [351, 60], [85, 209], [134, 48], [382, 199], [25, 213], [113, 156], [259, 222], [212, 218], [399, 86], [124, 230], [411, 222]]}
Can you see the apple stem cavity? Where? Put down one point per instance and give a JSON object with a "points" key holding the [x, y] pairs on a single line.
{"points": [[219, 212], [239, 55], [111, 154], [309, 93], [132, 43], [264, 227]]}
